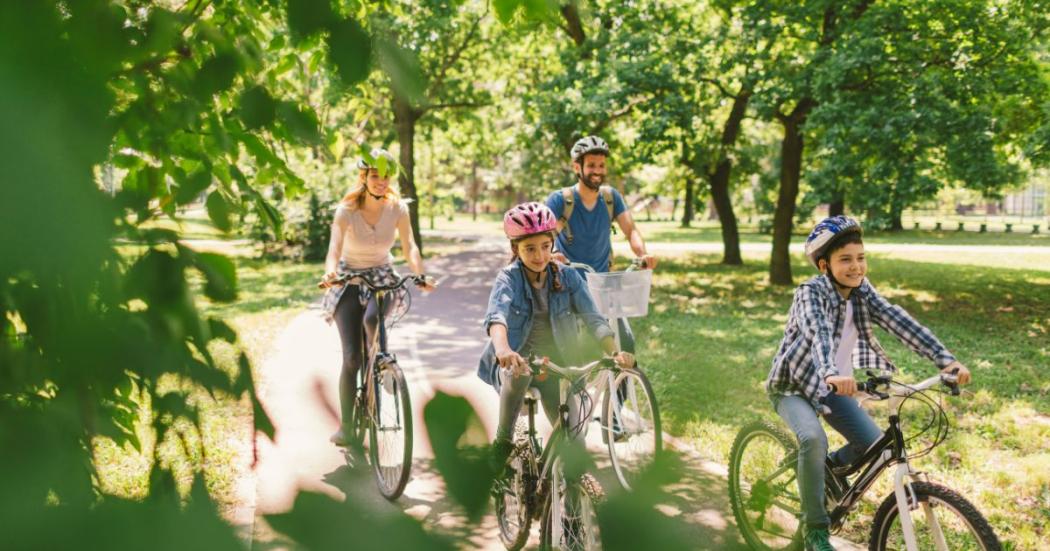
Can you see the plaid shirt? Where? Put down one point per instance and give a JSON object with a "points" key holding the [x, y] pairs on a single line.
{"points": [[807, 353]]}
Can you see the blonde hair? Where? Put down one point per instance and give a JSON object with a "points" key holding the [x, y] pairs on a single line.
{"points": [[355, 198]]}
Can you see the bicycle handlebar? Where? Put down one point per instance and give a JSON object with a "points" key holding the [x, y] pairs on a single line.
{"points": [[636, 263], [876, 385], [420, 281], [538, 365]]}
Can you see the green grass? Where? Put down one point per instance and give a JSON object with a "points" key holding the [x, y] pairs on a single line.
{"points": [[712, 332]]}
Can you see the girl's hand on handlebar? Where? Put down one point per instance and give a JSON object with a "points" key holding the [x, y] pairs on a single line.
{"points": [[513, 362], [844, 386], [560, 258], [624, 360], [959, 370]]}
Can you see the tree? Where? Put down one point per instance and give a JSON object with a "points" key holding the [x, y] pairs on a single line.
{"points": [[436, 71]]}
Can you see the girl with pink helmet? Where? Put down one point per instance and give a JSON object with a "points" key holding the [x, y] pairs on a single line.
{"points": [[533, 309]]}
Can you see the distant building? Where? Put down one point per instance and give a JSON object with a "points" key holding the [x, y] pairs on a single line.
{"points": [[1030, 201]]}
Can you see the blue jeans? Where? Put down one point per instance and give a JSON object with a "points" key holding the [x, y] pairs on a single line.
{"points": [[849, 420]]}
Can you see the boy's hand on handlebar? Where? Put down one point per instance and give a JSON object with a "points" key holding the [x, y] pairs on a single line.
{"points": [[624, 360], [959, 370], [844, 386], [512, 361]]}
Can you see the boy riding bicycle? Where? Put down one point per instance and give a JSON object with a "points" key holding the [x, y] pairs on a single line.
{"points": [[828, 335]]}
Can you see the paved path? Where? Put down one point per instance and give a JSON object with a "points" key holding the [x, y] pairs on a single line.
{"points": [[437, 344]]}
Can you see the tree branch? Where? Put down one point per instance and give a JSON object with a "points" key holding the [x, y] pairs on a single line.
{"points": [[451, 60], [719, 85], [572, 21]]}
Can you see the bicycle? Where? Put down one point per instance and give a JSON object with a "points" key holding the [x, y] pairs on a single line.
{"points": [[764, 493], [630, 417], [382, 408], [534, 485]]}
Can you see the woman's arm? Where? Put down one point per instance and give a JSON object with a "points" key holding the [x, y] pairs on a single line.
{"points": [[409, 247], [335, 243]]}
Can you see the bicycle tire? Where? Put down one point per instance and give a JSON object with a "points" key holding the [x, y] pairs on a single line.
{"points": [[631, 451], [390, 434], [577, 505], [515, 518], [746, 497], [932, 495]]}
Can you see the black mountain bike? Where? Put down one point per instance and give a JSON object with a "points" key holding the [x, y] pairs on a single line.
{"points": [[919, 514], [535, 484], [382, 409]]}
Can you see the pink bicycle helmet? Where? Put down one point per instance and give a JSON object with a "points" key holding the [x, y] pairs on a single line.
{"points": [[528, 219]]}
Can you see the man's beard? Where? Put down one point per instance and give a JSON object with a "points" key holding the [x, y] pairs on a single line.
{"points": [[593, 186]]}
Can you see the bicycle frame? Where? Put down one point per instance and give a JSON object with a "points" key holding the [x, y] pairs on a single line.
{"points": [[888, 451]]}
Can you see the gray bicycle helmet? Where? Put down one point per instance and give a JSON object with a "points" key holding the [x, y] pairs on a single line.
{"points": [[381, 160], [590, 144]]}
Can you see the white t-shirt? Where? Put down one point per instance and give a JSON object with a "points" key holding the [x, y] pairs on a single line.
{"points": [[844, 354], [364, 245]]}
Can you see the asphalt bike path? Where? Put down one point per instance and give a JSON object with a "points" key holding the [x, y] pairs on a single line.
{"points": [[437, 345]]}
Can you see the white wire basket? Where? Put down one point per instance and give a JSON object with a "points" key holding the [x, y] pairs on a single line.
{"points": [[621, 294]]}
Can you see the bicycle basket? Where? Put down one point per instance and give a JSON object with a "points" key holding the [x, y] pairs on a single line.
{"points": [[621, 294]]}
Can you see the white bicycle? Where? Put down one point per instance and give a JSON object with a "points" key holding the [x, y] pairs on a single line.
{"points": [[630, 418]]}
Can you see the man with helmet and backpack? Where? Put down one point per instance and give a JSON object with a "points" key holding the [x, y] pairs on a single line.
{"points": [[533, 309], [829, 335], [586, 212]]}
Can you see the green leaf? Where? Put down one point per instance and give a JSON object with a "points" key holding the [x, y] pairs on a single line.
{"points": [[306, 17], [301, 122], [505, 9], [221, 330], [270, 214], [220, 276], [258, 108], [403, 68], [215, 75], [218, 211], [467, 473], [350, 49], [192, 186]]}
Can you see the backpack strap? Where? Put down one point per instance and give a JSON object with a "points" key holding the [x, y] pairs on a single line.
{"points": [[566, 213], [607, 196]]}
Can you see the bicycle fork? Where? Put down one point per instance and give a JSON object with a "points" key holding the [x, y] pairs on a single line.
{"points": [[908, 501]]}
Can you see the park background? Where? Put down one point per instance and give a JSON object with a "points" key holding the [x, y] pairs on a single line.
{"points": [[170, 169]]}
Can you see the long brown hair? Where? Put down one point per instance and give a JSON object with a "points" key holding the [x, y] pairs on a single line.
{"points": [[555, 271], [355, 198]]}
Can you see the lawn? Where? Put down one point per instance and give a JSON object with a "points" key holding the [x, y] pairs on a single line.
{"points": [[712, 332]]}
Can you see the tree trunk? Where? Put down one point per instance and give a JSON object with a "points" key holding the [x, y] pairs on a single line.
{"points": [[674, 208], [895, 218], [687, 214], [837, 207], [719, 180], [790, 174], [405, 118], [474, 187]]}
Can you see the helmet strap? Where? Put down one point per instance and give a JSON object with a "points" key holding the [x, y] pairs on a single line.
{"points": [[529, 272], [374, 196], [587, 182]]}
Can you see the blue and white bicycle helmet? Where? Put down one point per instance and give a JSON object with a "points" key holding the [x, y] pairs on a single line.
{"points": [[824, 232], [590, 144]]}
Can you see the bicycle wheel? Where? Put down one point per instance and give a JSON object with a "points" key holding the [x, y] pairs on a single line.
{"points": [[391, 433], [570, 519], [513, 494], [631, 425], [763, 488], [945, 520]]}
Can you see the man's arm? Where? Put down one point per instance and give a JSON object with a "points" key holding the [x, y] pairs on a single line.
{"points": [[635, 239]]}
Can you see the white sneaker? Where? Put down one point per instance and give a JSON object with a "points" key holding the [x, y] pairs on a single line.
{"points": [[339, 438]]}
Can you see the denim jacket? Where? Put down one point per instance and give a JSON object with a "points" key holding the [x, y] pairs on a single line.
{"points": [[510, 304], [814, 327]]}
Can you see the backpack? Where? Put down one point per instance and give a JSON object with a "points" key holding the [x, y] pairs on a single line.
{"points": [[566, 213]]}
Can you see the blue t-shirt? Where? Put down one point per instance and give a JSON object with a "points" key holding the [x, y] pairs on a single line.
{"points": [[591, 243]]}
